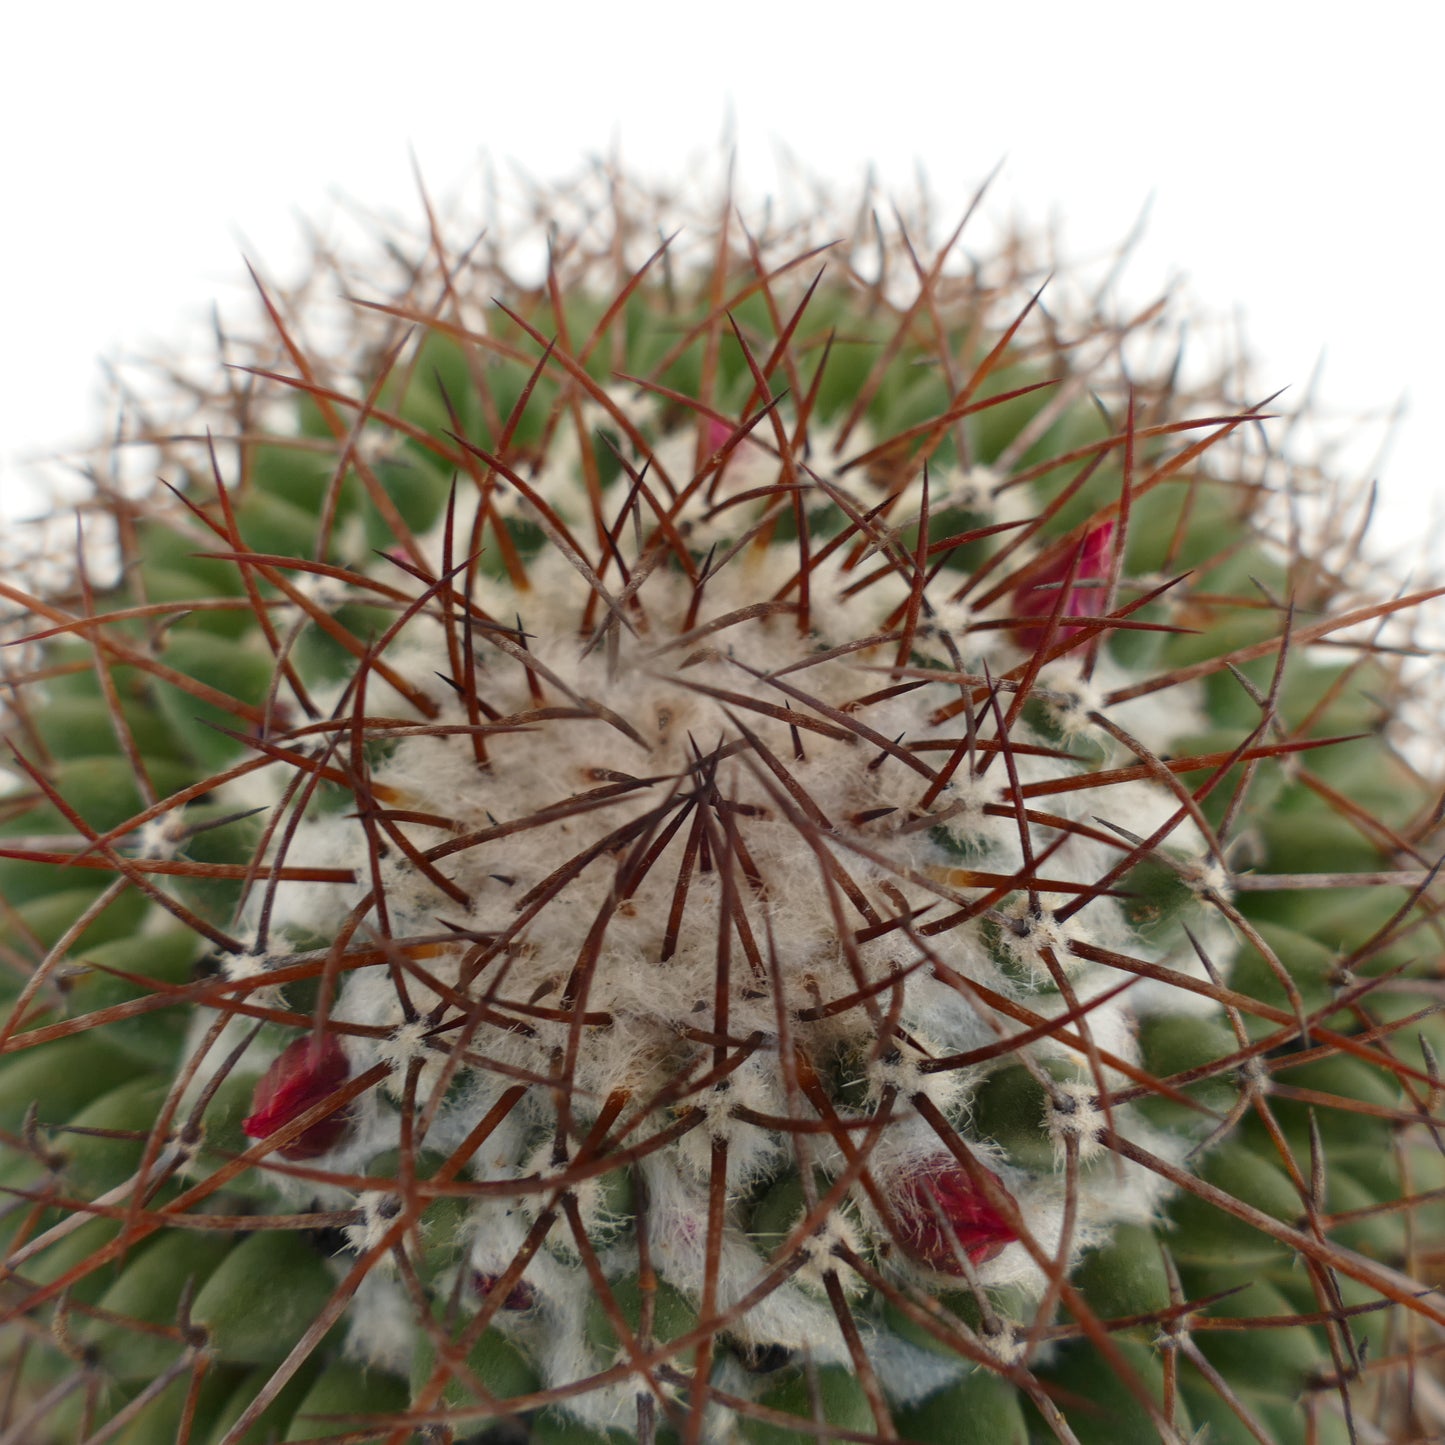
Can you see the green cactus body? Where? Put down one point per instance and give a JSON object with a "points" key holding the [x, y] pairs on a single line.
{"points": [[719, 841]]}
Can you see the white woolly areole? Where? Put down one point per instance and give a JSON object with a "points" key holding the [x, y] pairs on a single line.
{"points": [[382, 1321]]}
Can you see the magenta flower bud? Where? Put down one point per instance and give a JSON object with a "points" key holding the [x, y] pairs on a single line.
{"points": [[943, 1208], [302, 1074], [1039, 596], [716, 433]]}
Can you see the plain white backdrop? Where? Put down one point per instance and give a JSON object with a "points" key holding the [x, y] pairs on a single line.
{"points": [[1289, 155]]}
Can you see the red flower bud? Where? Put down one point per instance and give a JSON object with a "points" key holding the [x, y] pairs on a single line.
{"points": [[1039, 596], [941, 1210], [521, 1296], [301, 1075]]}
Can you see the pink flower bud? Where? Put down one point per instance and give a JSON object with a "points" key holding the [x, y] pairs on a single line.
{"points": [[301, 1075], [715, 433], [941, 1210], [1039, 596]]}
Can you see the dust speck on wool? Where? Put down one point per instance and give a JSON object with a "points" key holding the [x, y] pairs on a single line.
{"points": [[1073, 1114], [378, 1210]]}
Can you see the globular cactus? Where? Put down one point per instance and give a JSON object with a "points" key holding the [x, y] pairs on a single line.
{"points": [[747, 841]]}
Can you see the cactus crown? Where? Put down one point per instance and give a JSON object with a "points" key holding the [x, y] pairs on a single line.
{"points": [[765, 843]]}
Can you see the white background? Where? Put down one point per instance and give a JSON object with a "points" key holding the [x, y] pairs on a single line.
{"points": [[1291, 153]]}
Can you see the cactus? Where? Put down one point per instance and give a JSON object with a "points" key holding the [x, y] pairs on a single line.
{"points": [[746, 841]]}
